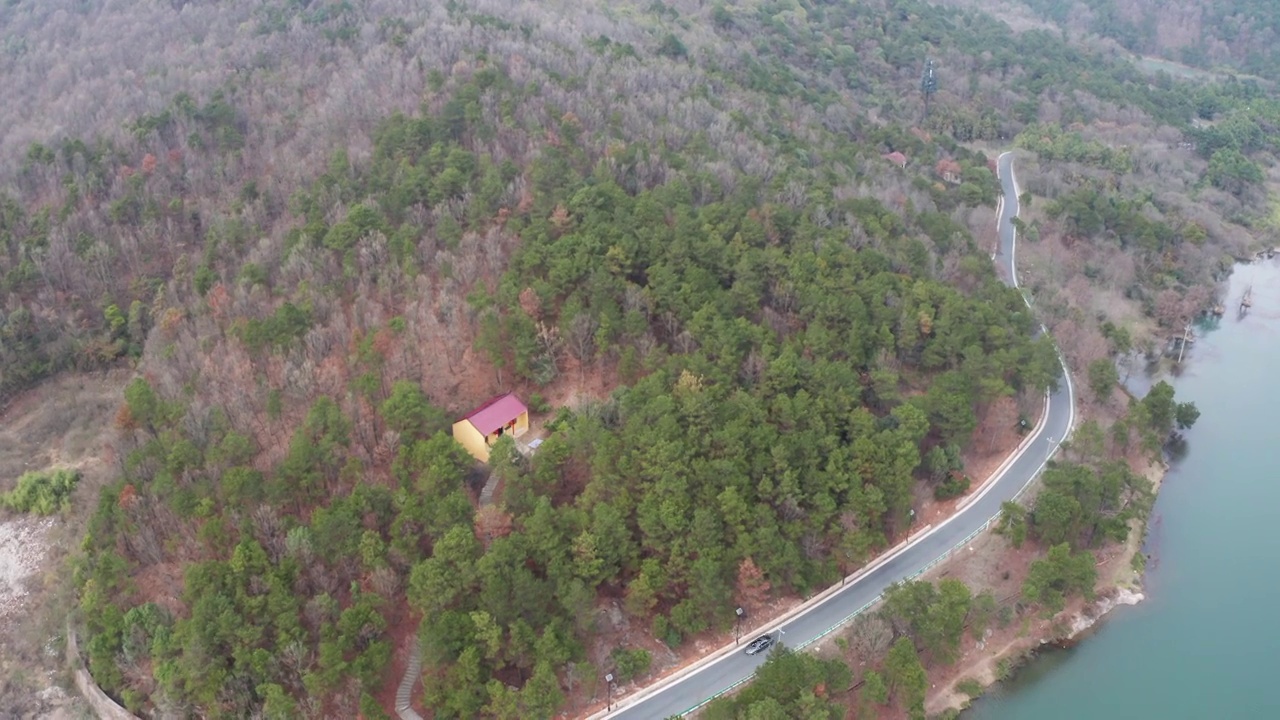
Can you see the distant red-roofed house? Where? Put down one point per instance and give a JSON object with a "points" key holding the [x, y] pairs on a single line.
{"points": [[478, 431], [896, 158], [949, 170]]}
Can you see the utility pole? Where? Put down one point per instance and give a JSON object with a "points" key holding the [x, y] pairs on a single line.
{"points": [[1186, 331], [928, 86]]}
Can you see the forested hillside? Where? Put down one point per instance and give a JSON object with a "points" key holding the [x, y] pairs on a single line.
{"points": [[324, 230], [1201, 33]]}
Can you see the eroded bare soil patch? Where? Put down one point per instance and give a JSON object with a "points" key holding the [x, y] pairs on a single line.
{"points": [[65, 422]]}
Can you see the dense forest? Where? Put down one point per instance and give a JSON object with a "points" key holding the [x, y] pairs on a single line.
{"points": [[96, 215], [1087, 499], [1201, 33], [323, 230], [770, 431]]}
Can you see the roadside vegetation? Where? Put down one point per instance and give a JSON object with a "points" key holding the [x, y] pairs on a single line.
{"points": [[1089, 499], [789, 684]]}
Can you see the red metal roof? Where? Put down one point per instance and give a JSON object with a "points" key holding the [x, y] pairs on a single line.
{"points": [[496, 413]]}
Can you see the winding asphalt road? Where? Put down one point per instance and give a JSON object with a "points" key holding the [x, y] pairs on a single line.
{"points": [[691, 689]]}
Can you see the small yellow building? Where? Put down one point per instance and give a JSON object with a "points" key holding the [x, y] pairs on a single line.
{"points": [[500, 416]]}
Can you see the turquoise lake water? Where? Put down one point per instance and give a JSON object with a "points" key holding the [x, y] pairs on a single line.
{"points": [[1206, 642]]}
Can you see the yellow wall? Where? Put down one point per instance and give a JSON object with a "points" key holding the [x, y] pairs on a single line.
{"points": [[522, 424], [478, 445], [471, 439]]}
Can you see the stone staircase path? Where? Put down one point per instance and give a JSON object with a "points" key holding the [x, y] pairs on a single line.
{"points": [[412, 673]]}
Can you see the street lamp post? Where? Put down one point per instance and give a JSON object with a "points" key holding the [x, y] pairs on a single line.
{"points": [[608, 689], [737, 629]]}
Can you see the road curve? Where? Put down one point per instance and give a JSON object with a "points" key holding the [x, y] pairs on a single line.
{"points": [[691, 689]]}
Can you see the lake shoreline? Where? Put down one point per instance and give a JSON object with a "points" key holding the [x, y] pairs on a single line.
{"points": [[997, 659], [1217, 506]]}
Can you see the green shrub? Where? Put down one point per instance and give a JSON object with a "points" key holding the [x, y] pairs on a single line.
{"points": [[665, 631], [951, 487], [970, 687], [538, 404], [42, 493], [631, 663], [288, 323], [370, 709], [1138, 562], [1004, 616], [562, 419]]}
